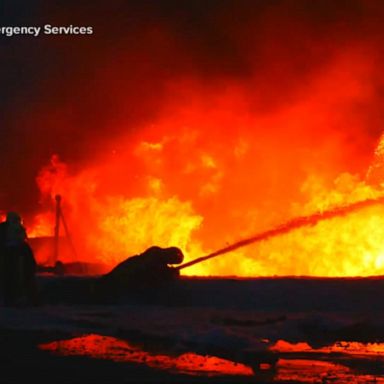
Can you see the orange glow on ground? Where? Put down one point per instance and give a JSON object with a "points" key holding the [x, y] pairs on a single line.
{"points": [[313, 371], [304, 369], [347, 347], [308, 369], [104, 347]]}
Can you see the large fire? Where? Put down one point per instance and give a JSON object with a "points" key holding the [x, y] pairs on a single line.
{"points": [[212, 170]]}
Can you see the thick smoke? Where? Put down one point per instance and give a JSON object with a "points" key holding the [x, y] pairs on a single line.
{"points": [[243, 108], [70, 95]]}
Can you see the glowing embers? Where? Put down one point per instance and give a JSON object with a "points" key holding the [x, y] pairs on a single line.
{"points": [[333, 363], [104, 347]]}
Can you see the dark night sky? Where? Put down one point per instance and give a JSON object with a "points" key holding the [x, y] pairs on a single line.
{"points": [[60, 94]]}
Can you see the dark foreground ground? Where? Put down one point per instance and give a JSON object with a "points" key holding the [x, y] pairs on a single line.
{"points": [[276, 330]]}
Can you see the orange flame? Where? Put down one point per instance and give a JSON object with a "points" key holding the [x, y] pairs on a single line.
{"points": [[210, 171]]}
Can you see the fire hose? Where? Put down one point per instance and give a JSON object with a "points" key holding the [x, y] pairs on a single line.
{"points": [[289, 226]]}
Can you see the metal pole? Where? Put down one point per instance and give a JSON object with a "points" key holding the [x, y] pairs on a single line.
{"points": [[69, 237], [57, 229]]}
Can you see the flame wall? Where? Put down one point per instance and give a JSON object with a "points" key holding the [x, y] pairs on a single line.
{"points": [[201, 124]]}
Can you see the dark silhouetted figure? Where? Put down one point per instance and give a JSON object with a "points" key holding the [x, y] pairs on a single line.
{"points": [[147, 270], [18, 265]]}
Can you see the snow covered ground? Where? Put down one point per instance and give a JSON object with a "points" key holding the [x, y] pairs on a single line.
{"points": [[204, 330]]}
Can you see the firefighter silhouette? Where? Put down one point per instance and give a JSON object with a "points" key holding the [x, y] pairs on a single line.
{"points": [[150, 269], [17, 261]]}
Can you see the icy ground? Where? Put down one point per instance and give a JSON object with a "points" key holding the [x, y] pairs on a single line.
{"points": [[208, 330]]}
